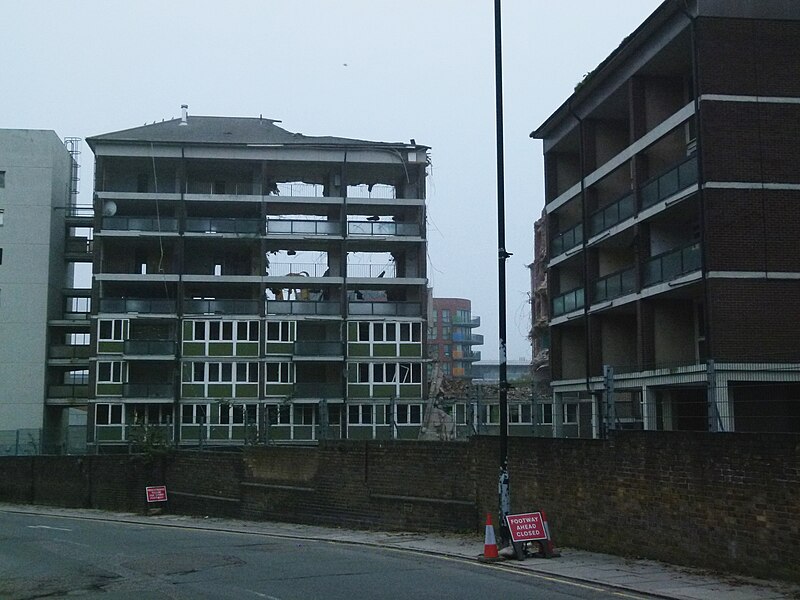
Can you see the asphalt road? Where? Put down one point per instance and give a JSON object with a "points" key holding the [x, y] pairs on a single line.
{"points": [[58, 557]]}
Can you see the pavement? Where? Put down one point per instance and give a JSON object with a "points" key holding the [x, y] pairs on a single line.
{"points": [[626, 575]]}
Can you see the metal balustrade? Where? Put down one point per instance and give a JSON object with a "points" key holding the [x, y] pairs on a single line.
{"points": [[568, 302], [318, 348], [228, 188], [137, 305], [120, 223], [671, 265], [382, 228], [226, 306], [147, 390], [612, 214], [567, 240], [149, 347], [671, 182], [302, 307], [303, 227], [385, 309], [615, 285], [223, 225]]}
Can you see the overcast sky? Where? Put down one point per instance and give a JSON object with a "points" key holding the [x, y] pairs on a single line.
{"points": [[370, 69]]}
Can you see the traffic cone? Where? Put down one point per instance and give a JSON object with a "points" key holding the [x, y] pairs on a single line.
{"points": [[490, 543], [548, 547]]}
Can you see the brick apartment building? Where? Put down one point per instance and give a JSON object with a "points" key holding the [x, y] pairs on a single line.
{"points": [[672, 200], [451, 340], [251, 283]]}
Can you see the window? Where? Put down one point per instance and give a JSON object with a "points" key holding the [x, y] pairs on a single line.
{"points": [[247, 372], [109, 372], [304, 414], [278, 415], [408, 414], [447, 350], [519, 413], [446, 332], [279, 372], [431, 333], [544, 414], [362, 414], [279, 331], [2, 179], [111, 330], [445, 315], [194, 414], [492, 412], [570, 414], [2, 213], [108, 414]]}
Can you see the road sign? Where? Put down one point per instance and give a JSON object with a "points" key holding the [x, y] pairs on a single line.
{"points": [[526, 527], [156, 493]]}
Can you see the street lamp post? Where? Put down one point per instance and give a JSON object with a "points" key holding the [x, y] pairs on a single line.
{"points": [[504, 489]]}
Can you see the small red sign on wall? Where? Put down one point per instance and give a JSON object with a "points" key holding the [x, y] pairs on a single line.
{"points": [[526, 527], [156, 493]]}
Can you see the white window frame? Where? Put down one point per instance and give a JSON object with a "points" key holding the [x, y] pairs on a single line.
{"points": [[109, 420], [544, 413], [285, 331], [118, 329], [412, 414], [285, 372], [116, 371], [569, 407]]}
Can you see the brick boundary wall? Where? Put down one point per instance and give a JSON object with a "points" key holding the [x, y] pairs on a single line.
{"points": [[729, 502]]}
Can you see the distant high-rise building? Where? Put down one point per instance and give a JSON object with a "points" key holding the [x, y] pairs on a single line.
{"points": [[451, 340]]}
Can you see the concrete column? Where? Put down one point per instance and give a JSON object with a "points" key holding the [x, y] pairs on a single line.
{"points": [[558, 415], [649, 409]]}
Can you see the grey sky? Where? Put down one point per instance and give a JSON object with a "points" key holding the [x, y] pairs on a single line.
{"points": [[369, 69]]}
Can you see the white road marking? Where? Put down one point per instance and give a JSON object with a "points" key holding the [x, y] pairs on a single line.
{"points": [[48, 527]]}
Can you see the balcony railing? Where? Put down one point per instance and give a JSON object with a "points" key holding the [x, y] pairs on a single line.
{"points": [[472, 322], [371, 191], [467, 338], [81, 212], [368, 228], [303, 190], [303, 227], [219, 225], [371, 271], [149, 347], [77, 307], [221, 307], [147, 390], [567, 240], [68, 391], [385, 309], [137, 305], [79, 245], [230, 188], [612, 214], [670, 182], [568, 302], [71, 351], [163, 224], [303, 307], [320, 348], [615, 285], [672, 264], [317, 390], [297, 270]]}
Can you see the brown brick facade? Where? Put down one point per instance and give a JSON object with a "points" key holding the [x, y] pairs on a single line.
{"points": [[720, 501]]}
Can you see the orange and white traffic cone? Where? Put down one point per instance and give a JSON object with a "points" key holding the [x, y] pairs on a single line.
{"points": [[548, 548], [490, 543]]}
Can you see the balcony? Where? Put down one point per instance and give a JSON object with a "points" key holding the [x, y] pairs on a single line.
{"points": [[137, 305], [149, 347], [385, 309], [318, 348], [224, 188], [612, 214], [78, 391], [219, 225], [568, 302], [147, 390], [566, 240], [382, 228], [81, 247], [317, 390], [77, 308], [672, 264], [615, 285], [303, 227], [472, 322], [467, 338], [221, 307], [70, 352], [669, 183], [161, 225], [369, 271], [303, 307], [297, 270]]}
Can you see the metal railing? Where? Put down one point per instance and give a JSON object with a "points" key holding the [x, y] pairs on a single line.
{"points": [[670, 182], [671, 265], [227, 188], [568, 302], [567, 240], [220, 225], [304, 227], [149, 347], [373, 191], [297, 270], [612, 214], [81, 212], [472, 322], [70, 351], [72, 391], [299, 189], [147, 390], [164, 224], [138, 305], [302, 307], [370, 228], [221, 307], [371, 271], [318, 348], [79, 245], [317, 390], [615, 285], [385, 309]]}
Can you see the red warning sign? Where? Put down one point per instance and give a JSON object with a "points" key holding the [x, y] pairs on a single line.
{"points": [[526, 527], [156, 493]]}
